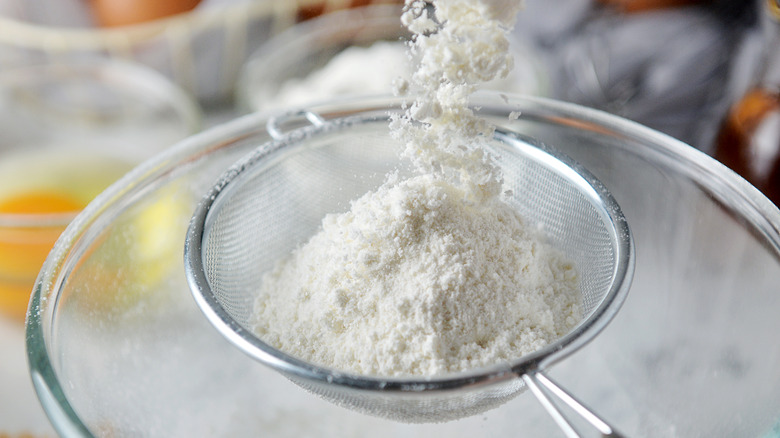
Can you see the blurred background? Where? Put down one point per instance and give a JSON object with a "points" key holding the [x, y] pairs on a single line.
{"points": [[91, 88]]}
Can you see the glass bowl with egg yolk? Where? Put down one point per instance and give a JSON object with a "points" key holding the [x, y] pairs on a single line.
{"points": [[39, 195], [67, 131]]}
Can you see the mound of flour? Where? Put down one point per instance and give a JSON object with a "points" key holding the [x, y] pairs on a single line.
{"points": [[419, 279], [435, 273]]}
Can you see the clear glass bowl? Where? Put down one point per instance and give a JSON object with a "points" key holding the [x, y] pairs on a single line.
{"points": [[348, 53], [117, 346], [67, 131]]}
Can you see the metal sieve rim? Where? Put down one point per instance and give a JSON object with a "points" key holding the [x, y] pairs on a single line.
{"points": [[254, 347]]}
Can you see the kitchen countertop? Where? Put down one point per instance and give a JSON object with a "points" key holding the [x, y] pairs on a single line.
{"points": [[21, 415]]}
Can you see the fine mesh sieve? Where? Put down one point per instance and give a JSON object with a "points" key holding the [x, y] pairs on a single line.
{"points": [[274, 199]]}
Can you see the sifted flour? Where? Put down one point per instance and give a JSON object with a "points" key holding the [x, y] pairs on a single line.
{"points": [[417, 278], [435, 273]]}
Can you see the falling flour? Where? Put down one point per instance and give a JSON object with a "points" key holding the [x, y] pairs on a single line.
{"points": [[435, 273]]}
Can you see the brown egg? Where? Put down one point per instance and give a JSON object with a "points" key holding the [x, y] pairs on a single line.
{"points": [[112, 13]]}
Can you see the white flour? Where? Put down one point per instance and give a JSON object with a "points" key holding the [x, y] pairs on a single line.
{"points": [[419, 279], [356, 70], [435, 273], [469, 47], [373, 70]]}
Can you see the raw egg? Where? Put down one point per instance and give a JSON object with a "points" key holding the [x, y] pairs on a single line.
{"points": [[39, 195]]}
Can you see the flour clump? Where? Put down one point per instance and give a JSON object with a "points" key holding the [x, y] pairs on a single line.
{"points": [[437, 272]]}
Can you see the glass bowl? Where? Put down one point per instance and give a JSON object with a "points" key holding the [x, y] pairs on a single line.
{"points": [[67, 131], [117, 346], [347, 53]]}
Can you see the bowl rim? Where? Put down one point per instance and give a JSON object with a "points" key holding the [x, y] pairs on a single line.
{"points": [[761, 213]]}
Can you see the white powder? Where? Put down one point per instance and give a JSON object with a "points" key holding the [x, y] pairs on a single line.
{"points": [[435, 273], [462, 47], [355, 70], [418, 278], [374, 70]]}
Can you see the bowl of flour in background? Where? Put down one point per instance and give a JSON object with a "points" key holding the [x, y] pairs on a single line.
{"points": [[692, 351], [201, 49], [346, 53]]}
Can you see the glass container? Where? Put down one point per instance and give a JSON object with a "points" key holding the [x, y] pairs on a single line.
{"points": [[118, 347]]}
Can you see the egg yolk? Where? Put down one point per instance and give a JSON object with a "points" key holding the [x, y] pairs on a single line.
{"points": [[24, 249], [39, 203]]}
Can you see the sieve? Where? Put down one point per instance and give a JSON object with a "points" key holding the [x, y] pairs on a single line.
{"points": [[273, 200]]}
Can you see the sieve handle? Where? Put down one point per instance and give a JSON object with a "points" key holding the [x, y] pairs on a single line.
{"points": [[274, 124], [536, 380]]}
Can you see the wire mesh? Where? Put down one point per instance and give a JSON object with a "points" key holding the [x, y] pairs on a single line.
{"points": [[274, 200]]}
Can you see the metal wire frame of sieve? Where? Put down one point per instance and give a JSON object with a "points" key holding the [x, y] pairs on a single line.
{"points": [[274, 199]]}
